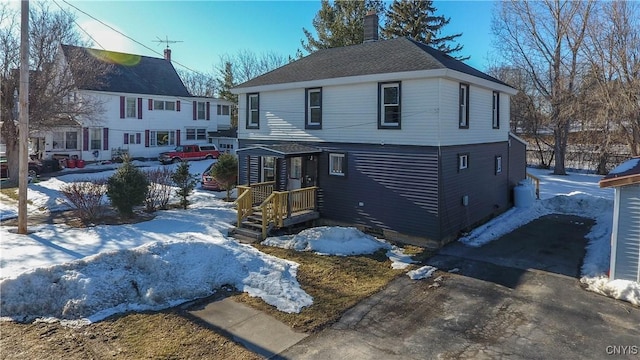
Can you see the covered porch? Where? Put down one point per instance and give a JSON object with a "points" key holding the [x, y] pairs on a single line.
{"points": [[279, 188]]}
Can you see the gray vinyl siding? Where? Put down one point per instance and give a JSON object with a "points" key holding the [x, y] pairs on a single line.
{"points": [[386, 187], [253, 165], [627, 248], [488, 193], [517, 162]]}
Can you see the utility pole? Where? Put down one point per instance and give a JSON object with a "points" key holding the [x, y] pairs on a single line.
{"points": [[23, 124]]}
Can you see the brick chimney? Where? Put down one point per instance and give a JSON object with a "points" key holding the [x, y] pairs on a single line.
{"points": [[167, 54], [371, 26]]}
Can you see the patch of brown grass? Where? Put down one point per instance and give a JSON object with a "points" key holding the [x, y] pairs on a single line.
{"points": [[336, 284]]}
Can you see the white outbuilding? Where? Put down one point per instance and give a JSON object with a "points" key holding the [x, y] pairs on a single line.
{"points": [[625, 235]]}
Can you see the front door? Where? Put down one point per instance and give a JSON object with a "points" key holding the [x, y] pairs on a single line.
{"points": [[294, 181], [310, 171]]}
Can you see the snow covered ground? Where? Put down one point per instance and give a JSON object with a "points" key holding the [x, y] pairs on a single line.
{"points": [[84, 275]]}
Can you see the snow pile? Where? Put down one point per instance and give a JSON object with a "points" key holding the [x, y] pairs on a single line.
{"points": [[618, 289], [422, 273], [324, 240], [340, 241], [154, 276]]}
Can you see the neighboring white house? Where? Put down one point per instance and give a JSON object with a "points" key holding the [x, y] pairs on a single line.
{"points": [[625, 235], [147, 110], [395, 136]]}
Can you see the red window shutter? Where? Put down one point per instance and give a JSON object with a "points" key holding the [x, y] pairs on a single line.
{"points": [[121, 107], [178, 105], [139, 108], [85, 139], [195, 110], [208, 112], [177, 137], [126, 138], [138, 138], [105, 139], [150, 104], [146, 138]]}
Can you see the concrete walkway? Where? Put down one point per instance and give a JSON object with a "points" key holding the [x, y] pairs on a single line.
{"points": [[257, 331]]}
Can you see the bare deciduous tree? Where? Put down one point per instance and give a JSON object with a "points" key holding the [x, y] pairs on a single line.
{"points": [[198, 84], [53, 83], [544, 38]]}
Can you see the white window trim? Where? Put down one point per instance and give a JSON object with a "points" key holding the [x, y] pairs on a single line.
{"points": [[204, 110], [263, 168], [310, 107], [496, 111], [153, 138], [332, 158], [498, 164], [250, 122], [92, 132], [383, 105], [463, 161], [463, 115], [135, 108]]}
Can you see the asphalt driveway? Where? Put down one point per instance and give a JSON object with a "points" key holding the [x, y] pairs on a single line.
{"points": [[516, 298]]}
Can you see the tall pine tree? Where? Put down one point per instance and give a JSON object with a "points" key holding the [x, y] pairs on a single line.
{"points": [[225, 83], [416, 19], [340, 23]]}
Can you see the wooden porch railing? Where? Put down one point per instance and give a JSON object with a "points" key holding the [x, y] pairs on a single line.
{"points": [[281, 204], [536, 182], [250, 196]]}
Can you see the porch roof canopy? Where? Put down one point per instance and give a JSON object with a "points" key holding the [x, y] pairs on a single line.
{"points": [[280, 150]]}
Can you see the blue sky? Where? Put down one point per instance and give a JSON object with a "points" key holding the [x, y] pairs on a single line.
{"points": [[209, 29]]}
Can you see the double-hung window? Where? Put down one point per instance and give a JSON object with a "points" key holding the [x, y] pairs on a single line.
{"points": [[268, 168], [389, 105], [201, 110], [223, 109], [337, 164], [132, 107], [313, 115], [496, 110], [65, 140], [95, 138], [253, 111], [463, 118], [196, 134]]}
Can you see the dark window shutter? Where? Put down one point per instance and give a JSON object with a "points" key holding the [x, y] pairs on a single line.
{"points": [[85, 139], [105, 139], [138, 136], [126, 138], [150, 104], [139, 108], [195, 110], [177, 137], [121, 107], [208, 112], [146, 138], [178, 105]]}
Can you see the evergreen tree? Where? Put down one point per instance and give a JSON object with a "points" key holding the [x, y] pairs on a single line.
{"points": [[225, 172], [417, 20], [225, 83], [185, 183], [340, 23], [127, 187]]}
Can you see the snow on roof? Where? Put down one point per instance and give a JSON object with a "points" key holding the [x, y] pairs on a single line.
{"points": [[626, 173]]}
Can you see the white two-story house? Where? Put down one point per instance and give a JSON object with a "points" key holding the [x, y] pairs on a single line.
{"points": [[146, 110], [390, 135]]}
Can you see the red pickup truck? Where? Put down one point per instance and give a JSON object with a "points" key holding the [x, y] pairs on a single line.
{"points": [[189, 152]]}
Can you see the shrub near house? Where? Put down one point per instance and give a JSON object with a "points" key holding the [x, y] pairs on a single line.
{"points": [[189, 152]]}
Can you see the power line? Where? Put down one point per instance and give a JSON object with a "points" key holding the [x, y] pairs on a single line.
{"points": [[78, 25], [128, 37]]}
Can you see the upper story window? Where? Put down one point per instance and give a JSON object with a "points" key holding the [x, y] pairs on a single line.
{"points": [[164, 105], [223, 109], [313, 104], [201, 110], [253, 111], [389, 105], [463, 122], [132, 107], [496, 110]]}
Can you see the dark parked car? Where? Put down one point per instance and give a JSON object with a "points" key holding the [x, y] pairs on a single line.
{"points": [[35, 168]]}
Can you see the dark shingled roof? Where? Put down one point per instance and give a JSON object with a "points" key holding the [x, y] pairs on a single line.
{"points": [[129, 73], [378, 57]]}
